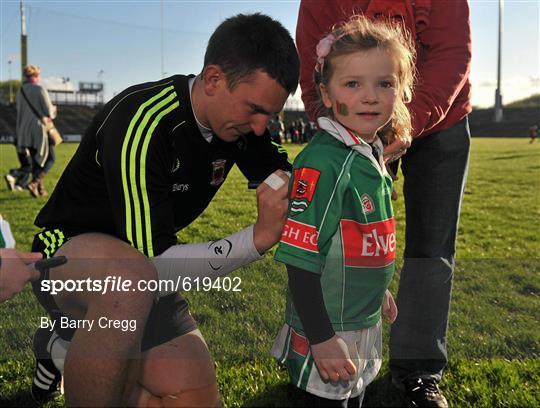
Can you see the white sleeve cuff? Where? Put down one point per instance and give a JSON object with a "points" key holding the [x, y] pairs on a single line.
{"points": [[209, 259]]}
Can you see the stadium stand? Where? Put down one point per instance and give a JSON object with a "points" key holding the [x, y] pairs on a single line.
{"points": [[72, 120], [516, 122]]}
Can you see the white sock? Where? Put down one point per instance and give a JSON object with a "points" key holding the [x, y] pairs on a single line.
{"points": [[58, 348]]}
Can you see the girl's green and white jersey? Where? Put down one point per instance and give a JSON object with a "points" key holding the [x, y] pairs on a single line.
{"points": [[341, 225]]}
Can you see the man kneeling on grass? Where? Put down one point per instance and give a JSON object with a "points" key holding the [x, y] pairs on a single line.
{"points": [[149, 164]]}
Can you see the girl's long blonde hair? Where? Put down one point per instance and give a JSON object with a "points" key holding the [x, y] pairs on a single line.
{"points": [[361, 34]]}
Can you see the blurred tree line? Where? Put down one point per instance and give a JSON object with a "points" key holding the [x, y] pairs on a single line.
{"points": [[532, 101], [8, 90]]}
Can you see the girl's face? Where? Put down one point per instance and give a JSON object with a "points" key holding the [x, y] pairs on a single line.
{"points": [[362, 91]]}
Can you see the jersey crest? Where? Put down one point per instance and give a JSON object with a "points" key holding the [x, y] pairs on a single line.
{"points": [[305, 183], [367, 204], [218, 172]]}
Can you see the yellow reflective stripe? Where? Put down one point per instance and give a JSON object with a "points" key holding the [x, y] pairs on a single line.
{"points": [[53, 240], [134, 158], [124, 169], [148, 222], [280, 148], [61, 237], [47, 244]]}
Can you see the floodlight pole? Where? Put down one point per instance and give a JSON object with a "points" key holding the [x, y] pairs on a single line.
{"points": [[24, 49], [10, 83], [498, 95], [100, 79], [162, 47]]}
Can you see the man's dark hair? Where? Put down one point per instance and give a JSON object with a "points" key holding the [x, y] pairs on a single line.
{"points": [[245, 43]]}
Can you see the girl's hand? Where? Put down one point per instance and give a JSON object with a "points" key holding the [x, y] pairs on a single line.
{"points": [[333, 360], [389, 308]]}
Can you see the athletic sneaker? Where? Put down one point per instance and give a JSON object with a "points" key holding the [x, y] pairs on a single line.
{"points": [[10, 181], [424, 392], [46, 376]]}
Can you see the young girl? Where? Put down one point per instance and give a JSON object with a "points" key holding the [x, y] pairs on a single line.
{"points": [[339, 241]]}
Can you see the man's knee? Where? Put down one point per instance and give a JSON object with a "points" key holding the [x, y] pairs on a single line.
{"points": [[205, 396], [106, 272], [194, 382]]}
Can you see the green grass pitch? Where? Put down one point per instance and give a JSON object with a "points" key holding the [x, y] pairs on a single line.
{"points": [[494, 333]]}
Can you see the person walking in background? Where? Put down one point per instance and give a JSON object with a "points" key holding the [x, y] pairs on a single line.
{"points": [[36, 154], [17, 178], [434, 169]]}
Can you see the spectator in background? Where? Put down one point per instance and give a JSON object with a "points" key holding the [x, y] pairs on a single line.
{"points": [[274, 127], [300, 126], [311, 129], [290, 131], [533, 133], [36, 155], [434, 168], [296, 132], [281, 129], [286, 135]]}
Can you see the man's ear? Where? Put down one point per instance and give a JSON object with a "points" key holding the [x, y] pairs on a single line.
{"points": [[327, 102], [213, 79]]}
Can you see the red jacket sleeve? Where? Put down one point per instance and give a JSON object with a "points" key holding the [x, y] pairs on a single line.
{"points": [[443, 64], [309, 30]]}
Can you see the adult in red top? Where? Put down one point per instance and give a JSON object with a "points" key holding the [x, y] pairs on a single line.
{"points": [[434, 169]]}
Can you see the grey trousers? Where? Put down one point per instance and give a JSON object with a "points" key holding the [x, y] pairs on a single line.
{"points": [[434, 170]]}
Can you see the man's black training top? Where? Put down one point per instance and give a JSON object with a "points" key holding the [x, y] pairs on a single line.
{"points": [[143, 171]]}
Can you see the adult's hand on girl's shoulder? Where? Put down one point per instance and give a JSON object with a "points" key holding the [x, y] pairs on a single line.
{"points": [[395, 150]]}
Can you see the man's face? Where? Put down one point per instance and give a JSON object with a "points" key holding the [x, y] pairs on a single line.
{"points": [[246, 108]]}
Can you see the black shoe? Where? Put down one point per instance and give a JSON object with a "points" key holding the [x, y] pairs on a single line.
{"points": [[46, 375], [424, 392]]}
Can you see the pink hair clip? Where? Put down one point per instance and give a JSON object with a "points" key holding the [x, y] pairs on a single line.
{"points": [[323, 49]]}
